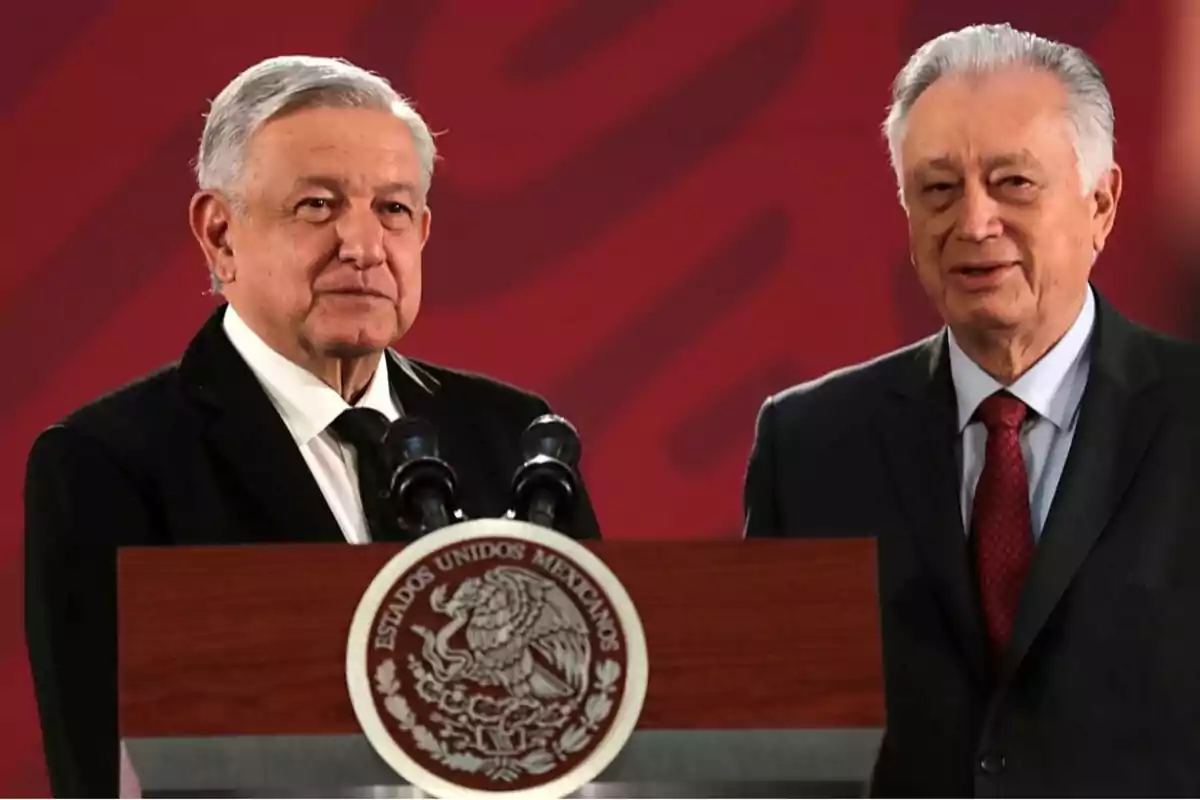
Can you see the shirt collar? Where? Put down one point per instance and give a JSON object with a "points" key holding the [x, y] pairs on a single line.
{"points": [[1052, 387], [307, 404]]}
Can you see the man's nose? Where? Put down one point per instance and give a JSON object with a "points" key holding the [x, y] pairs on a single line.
{"points": [[978, 214], [361, 235]]}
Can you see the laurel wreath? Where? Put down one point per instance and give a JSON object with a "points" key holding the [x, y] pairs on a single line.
{"points": [[596, 709]]}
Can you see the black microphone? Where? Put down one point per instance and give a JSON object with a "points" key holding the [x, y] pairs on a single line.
{"points": [[423, 485], [546, 486]]}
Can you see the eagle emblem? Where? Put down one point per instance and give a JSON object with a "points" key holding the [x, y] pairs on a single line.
{"points": [[497, 663], [523, 635], [506, 676]]}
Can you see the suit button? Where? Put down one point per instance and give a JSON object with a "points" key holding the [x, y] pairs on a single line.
{"points": [[992, 763]]}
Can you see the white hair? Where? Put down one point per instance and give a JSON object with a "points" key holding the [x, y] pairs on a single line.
{"points": [[981, 48], [280, 85], [283, 84]]}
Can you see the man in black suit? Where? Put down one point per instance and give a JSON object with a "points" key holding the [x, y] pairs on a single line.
{"points": [[1031, 472], [312, 215]]}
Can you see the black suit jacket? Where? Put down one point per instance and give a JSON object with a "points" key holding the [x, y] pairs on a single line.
{"points": [[1100, 691], [196, 454]]}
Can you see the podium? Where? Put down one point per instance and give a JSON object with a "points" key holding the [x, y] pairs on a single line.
{"points": [[765, 669]]}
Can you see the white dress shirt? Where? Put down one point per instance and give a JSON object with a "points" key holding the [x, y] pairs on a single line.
{"points": [[308, 407], [1052, 389]]}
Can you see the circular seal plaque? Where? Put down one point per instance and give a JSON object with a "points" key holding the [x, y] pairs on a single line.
{"points": [[496, 657]]}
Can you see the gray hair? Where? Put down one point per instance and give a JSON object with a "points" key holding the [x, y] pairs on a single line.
{"points": [[280, 85], [981, 48], [283, 84]]}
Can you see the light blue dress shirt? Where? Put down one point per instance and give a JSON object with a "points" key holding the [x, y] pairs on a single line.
{"points": [[1052, 388]]}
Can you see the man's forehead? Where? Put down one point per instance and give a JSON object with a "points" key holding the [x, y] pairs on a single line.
{"points": [[366, 150], [1022, 157], [332, 133], [1012, 86], [1007, 119]]}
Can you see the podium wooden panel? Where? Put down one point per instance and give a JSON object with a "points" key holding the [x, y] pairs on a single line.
{"points": [[250, 641]]}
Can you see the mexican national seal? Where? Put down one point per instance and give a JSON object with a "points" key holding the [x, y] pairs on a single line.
{"points": [[496, 657]]}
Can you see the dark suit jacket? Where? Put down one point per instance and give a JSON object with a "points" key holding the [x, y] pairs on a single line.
{"points": [[1099, 693], [196, 454]]}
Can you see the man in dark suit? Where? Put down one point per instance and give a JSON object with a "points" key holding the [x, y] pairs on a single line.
{"points": [[312, 215], [1030, 472]]}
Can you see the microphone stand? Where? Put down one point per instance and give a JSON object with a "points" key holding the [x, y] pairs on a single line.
{"points": [[546, 486], [423, 486]]}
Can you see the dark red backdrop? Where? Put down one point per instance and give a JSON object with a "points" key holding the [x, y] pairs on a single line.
{"points": [[680, 206]]}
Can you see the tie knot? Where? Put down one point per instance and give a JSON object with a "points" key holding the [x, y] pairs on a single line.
{"points": [[362, 427], [1002, 411]]}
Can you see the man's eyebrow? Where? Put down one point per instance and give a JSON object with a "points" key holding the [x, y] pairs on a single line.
{"points": [[938, 162], [1021, 158], [397, 187], [320, 181], [334, 185]]}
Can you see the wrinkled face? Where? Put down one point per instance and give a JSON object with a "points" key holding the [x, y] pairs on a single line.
{"points": [[325, 257], [1003, 235]]}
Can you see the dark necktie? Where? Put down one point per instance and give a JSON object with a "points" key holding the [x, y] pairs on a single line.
{"points": [[364, 429], [1000, 516]]}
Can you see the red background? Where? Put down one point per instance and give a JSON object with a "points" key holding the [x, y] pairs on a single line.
{"points": [[678, 206]]}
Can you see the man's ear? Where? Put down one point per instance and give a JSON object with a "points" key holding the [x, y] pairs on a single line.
{"points": [[1105, 198], [210, 214], [426, 222]]}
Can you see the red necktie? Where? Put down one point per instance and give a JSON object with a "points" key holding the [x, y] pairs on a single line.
{"points": [[1000, 518]]}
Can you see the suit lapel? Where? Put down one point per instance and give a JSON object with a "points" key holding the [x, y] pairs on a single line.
{"points": [[482, 461], [249, 438], [918, 434], [1119, 415], [414, 388], [421, 395]]}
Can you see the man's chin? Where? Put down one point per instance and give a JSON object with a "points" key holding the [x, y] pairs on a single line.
{"points": [[353, 344], [351, 338], [985, 313], [348, 350]]}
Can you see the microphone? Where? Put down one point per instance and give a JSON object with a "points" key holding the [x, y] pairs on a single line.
{"points": [[423, 485], [546, 485]]}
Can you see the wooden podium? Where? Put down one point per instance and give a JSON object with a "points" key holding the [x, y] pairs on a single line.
{"points": [[765, 669]]}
